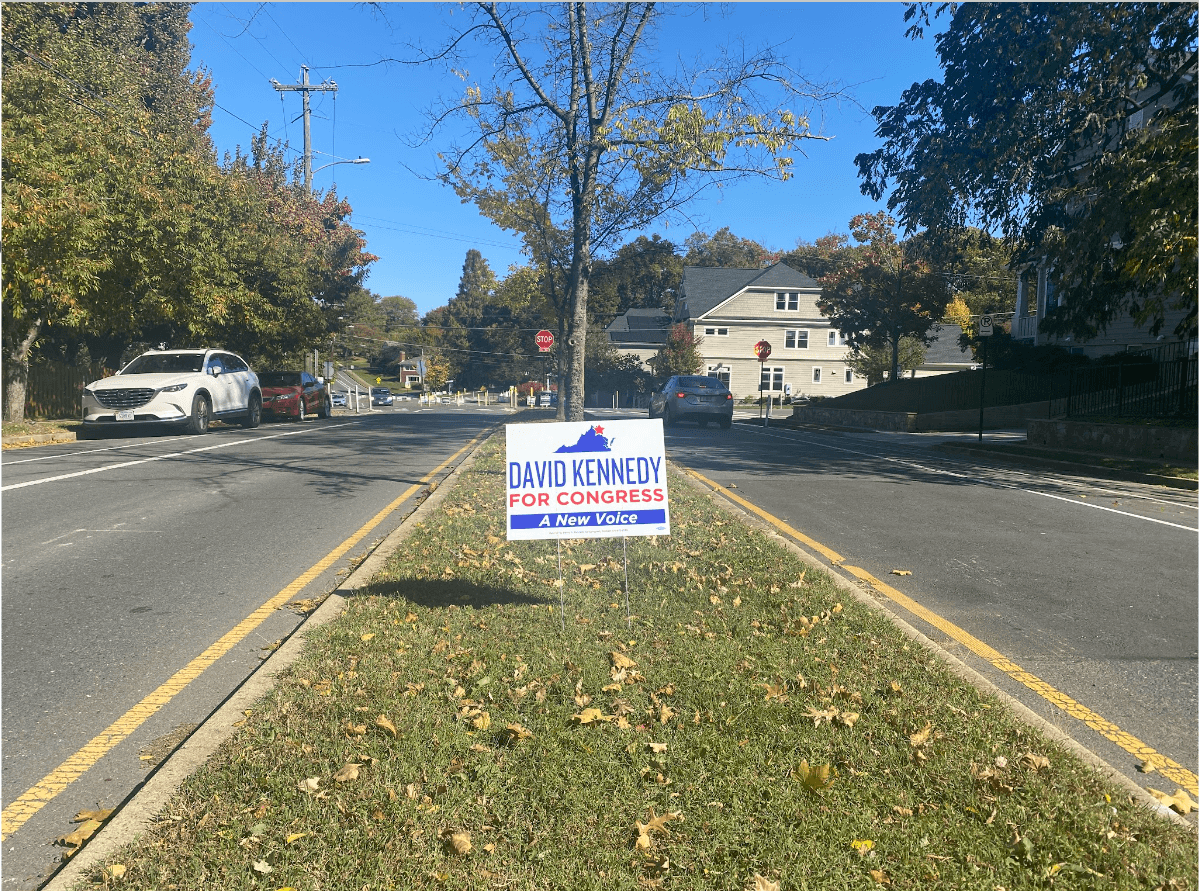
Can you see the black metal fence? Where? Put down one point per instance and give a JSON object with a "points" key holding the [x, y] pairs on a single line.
{"points": [[55, 390], [1156, 383], [1161, 386]]}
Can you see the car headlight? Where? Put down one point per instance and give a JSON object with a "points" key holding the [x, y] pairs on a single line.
{"points": [[173, 388]]}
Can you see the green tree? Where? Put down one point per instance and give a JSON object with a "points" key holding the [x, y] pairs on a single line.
{"points": [[399, 314], [1070, 128], [679, 355], [578, 109], [644, 273], [875, 363], [885, 291], [723, 249], [821, 257]]}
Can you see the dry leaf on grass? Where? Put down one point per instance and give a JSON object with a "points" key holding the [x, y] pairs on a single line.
{"points": [[457, 841], [1033, 761], [263, 867], [862, 845], [879, 877], [113, 871], [815, 777], [514, 733], [920, 737], [761, 883], [347, 773], [655, 826], [620, 660], [591, 716]]}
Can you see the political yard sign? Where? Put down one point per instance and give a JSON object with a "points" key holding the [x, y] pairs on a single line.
{"points": [[584, 480]]}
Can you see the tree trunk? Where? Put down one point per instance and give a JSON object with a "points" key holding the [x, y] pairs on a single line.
{"points": [[894, 356], [16, 374]]}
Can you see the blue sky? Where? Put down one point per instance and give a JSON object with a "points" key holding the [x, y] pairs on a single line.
{"points": [[419, 228]]}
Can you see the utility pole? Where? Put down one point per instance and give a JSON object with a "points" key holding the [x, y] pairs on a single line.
{"points": [[305, 88]]}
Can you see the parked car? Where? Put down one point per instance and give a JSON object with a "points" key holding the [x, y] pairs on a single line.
{"points": [[693, 397], [295, 394], [340, 399], [381, 396], [189, 388]]}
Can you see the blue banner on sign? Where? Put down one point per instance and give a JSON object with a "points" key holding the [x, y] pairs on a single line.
{"points": [[589, 520]]}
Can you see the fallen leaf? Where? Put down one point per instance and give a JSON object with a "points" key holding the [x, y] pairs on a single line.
{"points": [[815, 777], [481, 721], [367, 637], [310, 785], [101, 815], [901, 572], [920, 737], [1034, 762], [458, 842], [79, 836], [862, 845], [516, 732], [591, 716], [620, 660], [294, 837], [761, 883], [879, 877], [347, 773], [1147, 766], [1180, 802], [384, 724], [113, 872], [847, 719], [263, 867]]}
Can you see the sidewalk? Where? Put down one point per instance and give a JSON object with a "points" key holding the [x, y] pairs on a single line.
{"points": [[746, 720]]}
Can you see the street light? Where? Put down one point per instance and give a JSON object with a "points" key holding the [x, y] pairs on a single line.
{"points": [[347, 161]]}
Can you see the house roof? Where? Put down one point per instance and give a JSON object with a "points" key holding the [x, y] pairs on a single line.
{"points": [[947, 350], [706, 287], [642, 326]]}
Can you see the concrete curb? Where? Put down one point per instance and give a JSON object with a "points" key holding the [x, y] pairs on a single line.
{"points": [[139, 812], [37, 439], [863, 595]]}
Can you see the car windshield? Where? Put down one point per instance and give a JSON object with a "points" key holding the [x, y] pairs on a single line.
{"points": [[701, 383], [380, 391], [160, 363], [280, 379]]}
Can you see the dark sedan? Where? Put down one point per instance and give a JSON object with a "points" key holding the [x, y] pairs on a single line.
{"points": [[692, 397], [294, 394]]}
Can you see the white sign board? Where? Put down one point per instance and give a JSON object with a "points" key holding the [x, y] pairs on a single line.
{"points": [[586, 480], [986, 326]]}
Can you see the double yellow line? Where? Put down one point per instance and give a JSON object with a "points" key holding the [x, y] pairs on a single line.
{"points": [[30, 802], [1167, 767]]}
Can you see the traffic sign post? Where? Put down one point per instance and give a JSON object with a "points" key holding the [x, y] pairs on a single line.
{"points": [[986, 327], [762, 351]]}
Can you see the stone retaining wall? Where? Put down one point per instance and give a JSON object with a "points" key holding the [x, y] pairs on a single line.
{"points": [[1127, 440]]}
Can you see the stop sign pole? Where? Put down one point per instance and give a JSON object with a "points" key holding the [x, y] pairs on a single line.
{"points": [[986, 327], [762, 351]]}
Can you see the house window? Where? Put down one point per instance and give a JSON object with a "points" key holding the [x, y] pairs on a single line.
{"points": [[772, 378], [796, 340], [719, 371], [716, 332], [788, 300], [1050, 292], [835, 338], [815, 375], [849, 375]]}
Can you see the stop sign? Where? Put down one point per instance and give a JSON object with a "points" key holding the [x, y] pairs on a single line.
{"points": [[544, 339], [762, 350]]}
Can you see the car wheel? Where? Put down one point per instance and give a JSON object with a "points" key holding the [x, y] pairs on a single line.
{"points": [[201, 415], [326, 408], [668, 417], [253, 412], [301, 414]]}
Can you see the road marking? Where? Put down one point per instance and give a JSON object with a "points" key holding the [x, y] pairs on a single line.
{"points": [[119, 465], [30, 802], [988, 482], [1167, 767]]}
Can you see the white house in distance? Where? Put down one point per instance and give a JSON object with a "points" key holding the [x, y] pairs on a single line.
{"points": [[732, 309]]}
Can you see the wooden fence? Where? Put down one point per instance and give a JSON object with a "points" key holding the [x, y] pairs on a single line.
{"points": [[55, 389]]}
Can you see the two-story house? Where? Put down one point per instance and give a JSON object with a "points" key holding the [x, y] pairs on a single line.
{"points": [[732, 309]]}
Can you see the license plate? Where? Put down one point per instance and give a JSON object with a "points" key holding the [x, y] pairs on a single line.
{"points": [[125, 415]]}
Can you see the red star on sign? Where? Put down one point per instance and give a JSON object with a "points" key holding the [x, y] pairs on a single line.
{"points": [[599, 430]]}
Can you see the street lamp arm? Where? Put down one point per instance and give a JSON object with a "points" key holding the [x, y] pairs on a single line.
{"points": [[351, 161]]}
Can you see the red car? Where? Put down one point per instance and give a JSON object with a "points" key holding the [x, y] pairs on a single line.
{"points": [[296, 394]]}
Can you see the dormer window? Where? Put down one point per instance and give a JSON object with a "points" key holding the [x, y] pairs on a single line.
{"points": [[786, 300]]}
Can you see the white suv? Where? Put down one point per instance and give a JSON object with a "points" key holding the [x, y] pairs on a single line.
{"points": [[186, 387]]}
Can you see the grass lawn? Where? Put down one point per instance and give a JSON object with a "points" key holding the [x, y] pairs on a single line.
{"points": [[750, 727], [31, 427]]}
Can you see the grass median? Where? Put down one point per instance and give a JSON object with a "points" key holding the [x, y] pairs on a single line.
{"points": [[745, 725]]}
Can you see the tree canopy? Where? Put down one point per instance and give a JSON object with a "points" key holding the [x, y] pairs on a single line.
{"points": [[590, 140], [1070, 128], [883, 290]]}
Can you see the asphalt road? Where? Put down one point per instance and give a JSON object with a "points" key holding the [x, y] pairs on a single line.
{"points": [[1088, 585], [126, 559]]}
